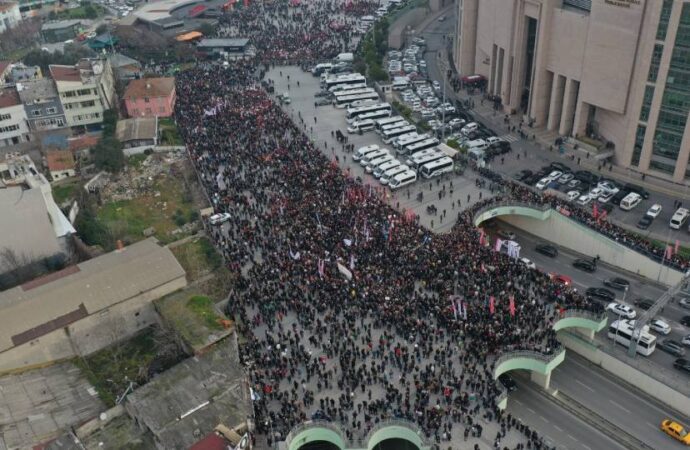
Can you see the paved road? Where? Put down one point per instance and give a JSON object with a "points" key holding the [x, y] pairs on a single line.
{"points": [[536, 157], [594, 388]]}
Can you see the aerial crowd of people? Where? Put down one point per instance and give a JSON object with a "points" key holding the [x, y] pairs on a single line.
{"points": [[352, 311]]}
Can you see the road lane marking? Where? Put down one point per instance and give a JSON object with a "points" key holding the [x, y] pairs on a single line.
{"points": [[571, 437], [652, 425], [584, 385], [518, 401], [621, 407], [544, 419], [531, 410], [587, 446], [558, 428]]}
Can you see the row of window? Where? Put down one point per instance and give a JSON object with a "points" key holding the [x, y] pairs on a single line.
{"points": [[75, 105], [38, 112], [49, 123], [79, 92], [84, 117], [9, 128], [5, 117], [147, 111]]}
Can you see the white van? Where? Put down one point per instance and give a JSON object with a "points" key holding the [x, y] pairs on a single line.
{"points": [[360, 152], [630, 201], [372, 156], [469, 128], [321, 68], [390, 173], [380, 170], [361, 126], [402, 179], [400, 83], [479, 144], [679, 218], [374, 163], [476, 154]]}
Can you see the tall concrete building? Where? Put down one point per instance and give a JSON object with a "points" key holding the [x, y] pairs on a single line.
{"points": [[609, 71]]}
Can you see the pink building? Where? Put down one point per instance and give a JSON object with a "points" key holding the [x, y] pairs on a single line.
{"points": [[150, 97]]}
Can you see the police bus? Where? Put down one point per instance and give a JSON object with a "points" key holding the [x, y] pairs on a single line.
{"points": [[389, 135], [421, 145], [405, 140], [346, 100], [388, 121], [437, 167], [354, 113], [353, 78]]}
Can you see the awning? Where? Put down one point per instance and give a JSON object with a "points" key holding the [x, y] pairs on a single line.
{"points": [[189, 36]]}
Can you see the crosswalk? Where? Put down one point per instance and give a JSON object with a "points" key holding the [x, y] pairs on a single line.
{"points": [[510, 137]]}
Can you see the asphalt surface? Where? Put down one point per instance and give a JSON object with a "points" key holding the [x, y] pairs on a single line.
{"points": [[533, 157]]}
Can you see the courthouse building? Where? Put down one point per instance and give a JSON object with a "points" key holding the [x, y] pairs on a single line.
{"points": [[613, 71]]}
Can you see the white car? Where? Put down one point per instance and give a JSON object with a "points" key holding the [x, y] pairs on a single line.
{"points": [[686, 340], [437, 85], [608, 187], [660, 326], [621, 310], [217, 219], [605, 197], [493, 140], [456, 123], [596, 193], [584, 200], [572, 195], [654, 210], [556, 174], [528, 263], [541, 184]]}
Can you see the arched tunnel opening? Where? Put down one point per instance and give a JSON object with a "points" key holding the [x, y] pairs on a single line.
{"points": [[395, 444], [319, 445]]}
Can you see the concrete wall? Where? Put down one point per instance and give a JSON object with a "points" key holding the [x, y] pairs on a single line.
{"points": [[570, 234], [409, 20], [91, 333], [628, 373]]}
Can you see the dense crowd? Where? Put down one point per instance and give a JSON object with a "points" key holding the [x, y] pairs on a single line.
{"points": [[283, 31], [335, 285]]}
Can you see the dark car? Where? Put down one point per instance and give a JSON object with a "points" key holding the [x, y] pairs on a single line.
{"points": [[322, 102], [559, 166], [322, 94], [617, 283], [684, 303], [547, 249], [685, 320], [502, 147], [620, 195], [644, 303], [600, 294], [586, 176], [645, 222], [506, 235], [634, 188], [608, 207], [673, 347], [508, 382], [532, 179], [521, 175], [682, 364], [585, 264]]}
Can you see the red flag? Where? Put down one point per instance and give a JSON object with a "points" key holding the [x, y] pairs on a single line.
{"points": [[492, 307], [669, 252], [595, 211], [511, 305], [603, 215], [482, 238], [675, 251]]}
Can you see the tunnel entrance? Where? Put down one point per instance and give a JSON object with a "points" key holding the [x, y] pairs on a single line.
{"points": [[395, 444], [319, 445]]}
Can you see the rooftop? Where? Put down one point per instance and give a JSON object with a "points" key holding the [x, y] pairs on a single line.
{"points": [[136, 129], [65, 73], [118, 60], [4, 65], [154, 11], [30, 91], [59, 24], [187, 402], [234, 42], [150, 87], [35, 308], [60, 160], [6, 6], [9, 97]]}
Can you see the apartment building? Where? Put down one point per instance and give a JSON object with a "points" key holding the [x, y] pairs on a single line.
{"points": [[14, 128], [42, 104], [86, 90], [9, 15]]}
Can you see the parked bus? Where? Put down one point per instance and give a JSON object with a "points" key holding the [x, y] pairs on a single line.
{"points": [[436, 168], [373, 115], [356, 113], [421, 145], [417, 162], [400, 123], [345, 101], [402, 179], [387, 121], [349, 79], [389, 135], [347, 87], [347, 92], [403, 141], [621, 331]]}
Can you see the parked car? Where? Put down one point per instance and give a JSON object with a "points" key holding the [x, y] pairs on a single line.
{"points": [[602, 294], [645, 222], [547, 249], [559, 166], [644, 303], [584, 200], [621, 310], [573, 195], [217, 219], [586, 265], [672, 347], [654, 210], [685, 320], [617, 283], [684, 303], [660, 326], [521, 175]]}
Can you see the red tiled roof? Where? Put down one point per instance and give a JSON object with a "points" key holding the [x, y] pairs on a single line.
{"points": [[4, 65], [60, 160], [9, 97], [83, 142], [210, 442], [150, 87], [64, 73]]}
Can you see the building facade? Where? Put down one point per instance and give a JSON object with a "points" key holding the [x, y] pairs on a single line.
{"points": [[86, 91], [613, 73], [150, 97], [14, 128], [60, 30], [9, 15], [42, 105]]}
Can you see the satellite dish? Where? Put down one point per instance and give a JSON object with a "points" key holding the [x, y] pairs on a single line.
{"points": [[103, 416]]}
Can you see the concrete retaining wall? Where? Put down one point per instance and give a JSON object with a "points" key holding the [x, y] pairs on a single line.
{"points": [[156, 149], [579, 238], [411, 19], [627, 373]]}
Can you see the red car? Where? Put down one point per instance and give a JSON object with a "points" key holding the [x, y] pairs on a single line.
{"points": [[561, 279]]}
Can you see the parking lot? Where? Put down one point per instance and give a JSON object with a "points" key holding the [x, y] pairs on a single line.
{"points": [[450, 193]]}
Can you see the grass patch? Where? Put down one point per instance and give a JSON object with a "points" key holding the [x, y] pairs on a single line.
{"points": [[127, 219], [111, 370], [193, 316], [169, 134], [64, 192], [135, 161], [198, 258], [87, 11]]}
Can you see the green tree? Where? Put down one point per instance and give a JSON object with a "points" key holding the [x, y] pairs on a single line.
{"points": [[109, 123], [108, 155], [89, 228]]}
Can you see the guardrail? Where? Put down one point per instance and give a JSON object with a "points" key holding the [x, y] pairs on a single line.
{"points": [[309, 424], [584, 314], [533, 354]]}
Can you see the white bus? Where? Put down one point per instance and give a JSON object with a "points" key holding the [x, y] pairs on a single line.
{"points": [[353, 78], [400, 123], [621, 331], [436, 168], [380, 170], [418, 161], [345, 101], [388, 121], [402, 179], [373, 155], [356, 113], [347, 87], [373, 115], [348, 92], [389, 135], [403, 141], [421, 145], [390, 173], [361, 126], [360, 152]]}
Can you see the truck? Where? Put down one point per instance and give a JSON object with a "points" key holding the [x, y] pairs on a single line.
{"points": [[344, 57]]}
